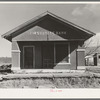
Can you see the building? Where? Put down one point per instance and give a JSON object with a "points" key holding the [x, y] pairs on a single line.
{"points": [[93, 56], [48, 42], [89, 60]]}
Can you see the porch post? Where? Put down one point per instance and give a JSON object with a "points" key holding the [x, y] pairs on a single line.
{"points": [[15, 56]]}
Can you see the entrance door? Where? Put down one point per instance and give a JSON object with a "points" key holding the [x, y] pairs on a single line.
{"points": [[29, 57], [48, 56]]}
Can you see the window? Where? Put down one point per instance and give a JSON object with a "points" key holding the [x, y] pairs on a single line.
{"points": [[62, 53]]}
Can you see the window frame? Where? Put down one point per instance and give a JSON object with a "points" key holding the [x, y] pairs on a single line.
{"points": [[68, 54]]}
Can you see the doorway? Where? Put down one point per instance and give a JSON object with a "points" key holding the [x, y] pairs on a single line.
{"points": [[29, 57], [48, 56]]}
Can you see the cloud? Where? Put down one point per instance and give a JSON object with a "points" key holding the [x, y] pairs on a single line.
{"points": [[93, 8], [77, 12], [89, 9]]}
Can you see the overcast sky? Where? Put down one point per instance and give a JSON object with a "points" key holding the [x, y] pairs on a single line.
{"points": [[12, 15]]}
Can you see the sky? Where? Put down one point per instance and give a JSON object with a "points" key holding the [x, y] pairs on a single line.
{"points": [[12, 15]]}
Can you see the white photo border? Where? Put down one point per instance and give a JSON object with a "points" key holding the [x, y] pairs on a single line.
{"points": [[46, 93]]}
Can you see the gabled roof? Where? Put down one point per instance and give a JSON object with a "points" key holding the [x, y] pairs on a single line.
{"points": [[9, 33]]}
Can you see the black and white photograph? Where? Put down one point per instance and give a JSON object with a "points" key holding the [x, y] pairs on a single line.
{"points": [[52, 46]]}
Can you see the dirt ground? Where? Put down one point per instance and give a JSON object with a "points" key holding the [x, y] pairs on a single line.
{"points": [[49, 83], [50, 80]]}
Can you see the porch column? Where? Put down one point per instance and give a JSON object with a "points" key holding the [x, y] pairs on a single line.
{"points": [[80, 57], [15, 56]]}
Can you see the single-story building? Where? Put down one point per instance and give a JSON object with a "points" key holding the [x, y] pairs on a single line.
{"points": [[48, 42], [89, 60], [93, 56], [96, 57]]}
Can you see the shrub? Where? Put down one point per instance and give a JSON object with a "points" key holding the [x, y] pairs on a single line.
{"points": [[5, 68]]}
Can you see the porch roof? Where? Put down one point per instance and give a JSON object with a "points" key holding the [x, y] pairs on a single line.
{"points": [[9, 34]]}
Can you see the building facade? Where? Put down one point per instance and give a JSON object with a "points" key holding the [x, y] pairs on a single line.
{"points": [[48, 42]]}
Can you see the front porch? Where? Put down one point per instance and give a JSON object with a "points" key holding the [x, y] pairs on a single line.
{"points": [[44, 55], [47, 55]]}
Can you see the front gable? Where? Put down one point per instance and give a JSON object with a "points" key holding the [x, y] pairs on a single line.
{"points": [[47, 28]]}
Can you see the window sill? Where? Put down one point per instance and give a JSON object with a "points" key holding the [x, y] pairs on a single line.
{"points": [[62, 63]]}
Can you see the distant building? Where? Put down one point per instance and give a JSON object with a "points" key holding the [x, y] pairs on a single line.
{"points": [[89, 60], [96, 57], [93, 57], [48, 42]]}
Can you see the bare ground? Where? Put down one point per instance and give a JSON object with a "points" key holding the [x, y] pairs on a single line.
{"points": [[50, 80]]}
